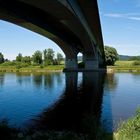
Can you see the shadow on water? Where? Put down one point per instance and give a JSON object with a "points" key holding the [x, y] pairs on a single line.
{"points": [[79, 109]]}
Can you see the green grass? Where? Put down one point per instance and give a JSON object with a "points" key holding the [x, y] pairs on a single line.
{"points": [[125, 66], [124, 63], [31, 68], [130, 129]]}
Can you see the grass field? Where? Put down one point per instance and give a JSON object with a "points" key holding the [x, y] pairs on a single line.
{"points": [[31, 68], [121, 66], [124, 66], [124, 63]]}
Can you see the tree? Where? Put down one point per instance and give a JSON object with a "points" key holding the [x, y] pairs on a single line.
{"points": [[111, 55], [37, 57], [48, 56], [1, 58], [26, 59], [19, 57], [132, 58], [59, 58]]}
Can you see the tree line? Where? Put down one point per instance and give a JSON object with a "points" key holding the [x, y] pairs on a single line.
{"points": [[46, 58]]}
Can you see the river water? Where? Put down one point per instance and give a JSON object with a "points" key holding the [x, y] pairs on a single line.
{"points": [[58, 101]]}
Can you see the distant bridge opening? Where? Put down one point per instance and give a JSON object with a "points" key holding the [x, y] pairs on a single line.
{"points": [[80, 60]]}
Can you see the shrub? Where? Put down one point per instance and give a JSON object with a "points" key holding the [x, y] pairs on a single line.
{"points": [[136, 63], [41, 66], [9, 63]]}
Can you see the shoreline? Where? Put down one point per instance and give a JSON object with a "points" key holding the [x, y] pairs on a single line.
{"points": [[109, 69], [113, 69]]}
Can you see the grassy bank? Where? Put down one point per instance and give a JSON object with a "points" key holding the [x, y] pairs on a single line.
{"points": [[124, 66], [120, 66], [31, 68], [130, 129]]}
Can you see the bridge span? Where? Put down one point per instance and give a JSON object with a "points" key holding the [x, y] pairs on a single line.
{"points": [[73, 24]]}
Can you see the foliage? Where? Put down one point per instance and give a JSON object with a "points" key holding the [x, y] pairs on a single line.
{"points": [[59, 58], [26, 59], [37, 57], [48, 56], [135, 58], [55, 62], [135, 63], [35, 60], [19, 57], [111, 55], [130, 130], [1, 58], [16, 64], [9, 63]]}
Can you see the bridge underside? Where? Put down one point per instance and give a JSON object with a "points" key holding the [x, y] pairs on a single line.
{"points": [[73, 24]]}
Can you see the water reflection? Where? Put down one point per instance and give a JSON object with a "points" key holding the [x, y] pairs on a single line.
{"points": [[23, 78], [2, 79], [38, 80], [66, 100], [48, 80], [75, 106], [111, 81]]}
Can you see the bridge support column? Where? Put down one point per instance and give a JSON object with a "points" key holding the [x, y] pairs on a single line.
{"points": [[71, 63], [91, 64]]}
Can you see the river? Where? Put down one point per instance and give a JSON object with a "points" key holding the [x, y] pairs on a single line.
{"points": [[58, 101]]}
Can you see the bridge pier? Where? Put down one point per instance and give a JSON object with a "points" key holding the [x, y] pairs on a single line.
{"points": [[91, 64], [71, 64]]}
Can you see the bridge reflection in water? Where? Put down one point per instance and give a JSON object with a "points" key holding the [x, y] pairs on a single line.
{"points": [[78, 107]]}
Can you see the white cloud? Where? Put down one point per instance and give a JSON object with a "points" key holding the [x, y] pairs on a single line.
{"points": [[134, 18], [128, 16], [114, 15]]}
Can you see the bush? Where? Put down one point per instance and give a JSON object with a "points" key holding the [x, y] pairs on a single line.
{"points": [[8, 63], [41, 66], [136, 63]]}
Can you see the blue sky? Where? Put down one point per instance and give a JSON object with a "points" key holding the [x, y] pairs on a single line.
{"points": [[15, 39], [120, 20]]}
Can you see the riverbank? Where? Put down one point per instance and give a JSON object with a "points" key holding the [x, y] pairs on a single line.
{"points": [[124, 66], [113, 69], [32, 69], [120, 66]]}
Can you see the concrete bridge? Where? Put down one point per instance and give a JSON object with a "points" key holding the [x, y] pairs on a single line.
{"points": [[73, 24]]}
